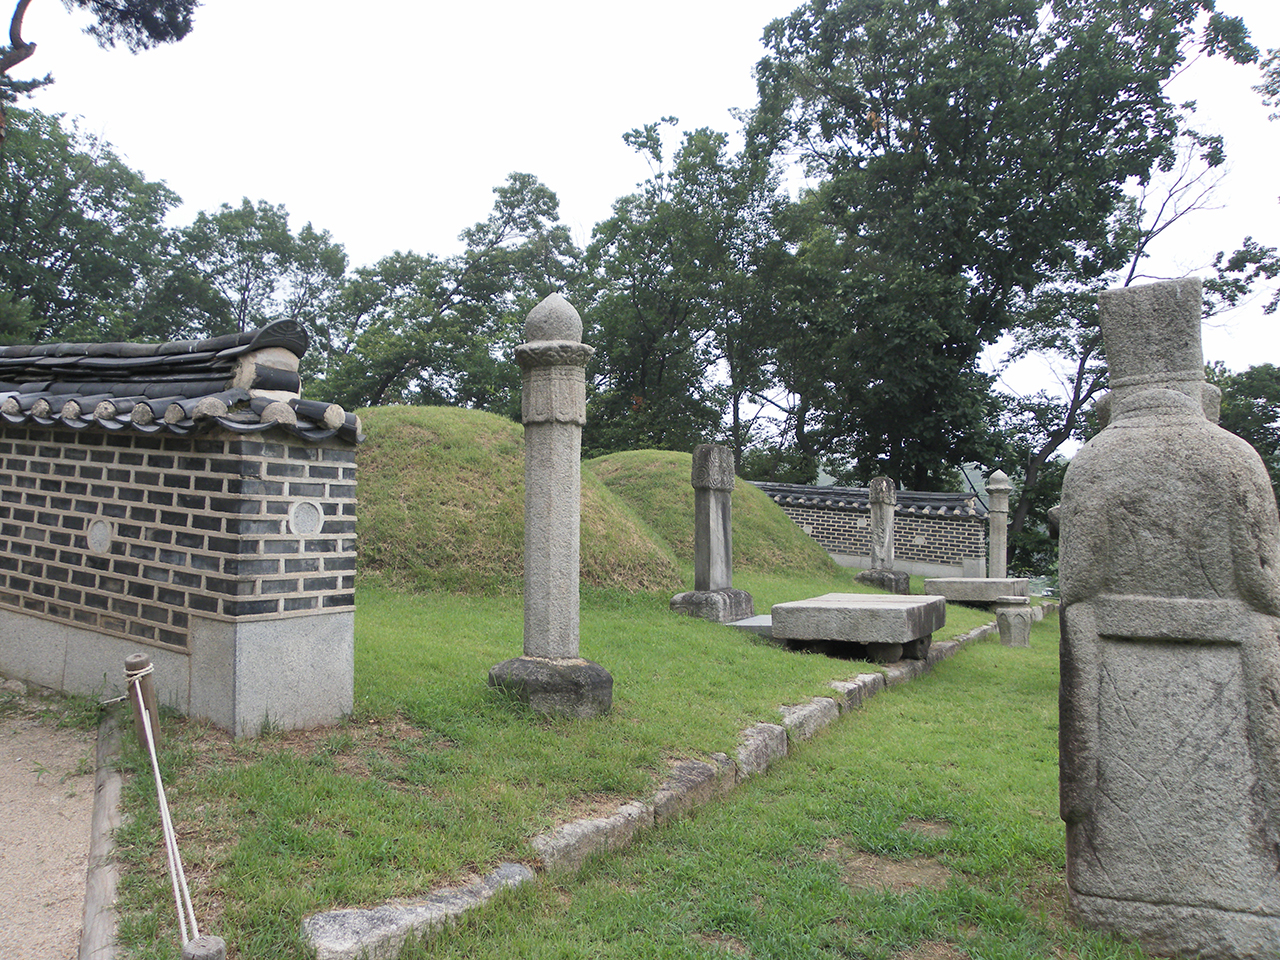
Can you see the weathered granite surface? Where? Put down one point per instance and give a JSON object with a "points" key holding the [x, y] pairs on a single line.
{"points": [[380, 933], [1170, 695], [978, 591], [859, 618], [998, 489], [718, 606], [551, 677], [713, 596], [1013, 620]]}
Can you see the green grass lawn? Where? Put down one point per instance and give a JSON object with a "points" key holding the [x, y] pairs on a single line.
{"points": [[924, 827], [436, 778]]}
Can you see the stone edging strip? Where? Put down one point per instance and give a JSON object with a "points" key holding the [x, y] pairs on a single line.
{"points": [[380, 932]]}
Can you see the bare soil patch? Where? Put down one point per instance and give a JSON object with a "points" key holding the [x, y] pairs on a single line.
{"points": [[867, 871], [722, 941], [929, 828], [934, 950]]}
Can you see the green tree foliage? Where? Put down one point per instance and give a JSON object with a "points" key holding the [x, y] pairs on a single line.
{"points": [[417, 328], [1059, 324], [964, 153], [1251, 410], [241, 267], [80, 233], [683, 274]]}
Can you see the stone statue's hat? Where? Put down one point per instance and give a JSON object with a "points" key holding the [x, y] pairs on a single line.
{"points": [[1152, 336]]}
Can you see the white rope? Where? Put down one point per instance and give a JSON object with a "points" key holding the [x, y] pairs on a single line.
{"points": [[181, 894]]}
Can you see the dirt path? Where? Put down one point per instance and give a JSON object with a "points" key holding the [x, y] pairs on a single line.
{"points": [[46, 805]]}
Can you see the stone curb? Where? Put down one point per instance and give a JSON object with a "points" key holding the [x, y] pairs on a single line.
{"points": [[379, 933], [98, 929]]}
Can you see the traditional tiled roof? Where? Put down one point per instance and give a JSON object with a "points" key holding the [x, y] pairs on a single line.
{"points": [[244, 382], [858, 498]]}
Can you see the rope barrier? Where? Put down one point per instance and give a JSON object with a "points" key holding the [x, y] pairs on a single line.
{"points": [[181, 893]]}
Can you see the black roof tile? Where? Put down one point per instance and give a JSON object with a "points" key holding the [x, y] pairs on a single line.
{"points": [[181, 387], [859, 498]]}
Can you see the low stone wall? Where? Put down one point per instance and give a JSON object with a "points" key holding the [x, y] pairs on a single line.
{"points": [[230, 558], [934, 534]]}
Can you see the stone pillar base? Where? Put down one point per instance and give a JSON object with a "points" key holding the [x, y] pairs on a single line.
{"points": [[1013, 619], [718, 606], [890, 581], [556, 688], [1181, 931]]}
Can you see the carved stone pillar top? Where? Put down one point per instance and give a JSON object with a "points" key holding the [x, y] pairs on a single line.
{"points": [[553, 336], [553, 353], [554, 318], [883, 490], [554, 361], [712, 467], [999, 483]]}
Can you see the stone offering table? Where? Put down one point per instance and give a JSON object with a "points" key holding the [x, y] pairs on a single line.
{"points": [[978, 591], [890, 627]]}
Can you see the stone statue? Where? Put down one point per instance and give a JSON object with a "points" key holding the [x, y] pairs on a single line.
{"points": [[882, 498], [1170, 695], [713, 596]]}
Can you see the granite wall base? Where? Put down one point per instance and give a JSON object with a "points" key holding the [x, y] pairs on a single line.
{"points": [[245, 677]]}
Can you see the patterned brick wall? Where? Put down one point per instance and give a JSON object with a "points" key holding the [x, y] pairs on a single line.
{"points": [[128, 534], [916, 537]]}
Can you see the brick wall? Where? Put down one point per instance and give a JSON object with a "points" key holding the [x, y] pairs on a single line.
{"points": [[917, 538], [131, 535]]}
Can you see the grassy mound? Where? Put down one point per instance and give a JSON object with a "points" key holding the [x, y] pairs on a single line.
{"points": [[442, 508], [655, 485]]}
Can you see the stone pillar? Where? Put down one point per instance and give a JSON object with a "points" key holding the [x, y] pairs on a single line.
{"points": [[712, 479], [1170, 681], [998, 487], [883, 500], [713, 596], [551, 677]]}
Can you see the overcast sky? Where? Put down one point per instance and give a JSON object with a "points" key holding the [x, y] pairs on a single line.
{"points": [[388, 122]]}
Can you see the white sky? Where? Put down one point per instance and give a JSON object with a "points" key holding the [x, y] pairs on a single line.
{"points": [[389, 122]]}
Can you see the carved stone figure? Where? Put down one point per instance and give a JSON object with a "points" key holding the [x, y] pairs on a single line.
{"points": [[882, 496], [1170, 695], [713, 596]]}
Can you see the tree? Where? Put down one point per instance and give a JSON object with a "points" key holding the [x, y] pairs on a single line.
{"points": [[138, 24], [684, 271], [1060, 322], [1251, 410], [79, 232], [417, 328], [242, 267], [964, 153]]}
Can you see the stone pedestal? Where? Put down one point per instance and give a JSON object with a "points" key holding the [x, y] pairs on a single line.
{"points": [[551, 677], [978, 591], [889, 627], [561, 687], [890, 581], [718, 606], [713, 596], [1013, 619], [1170, 691]]}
